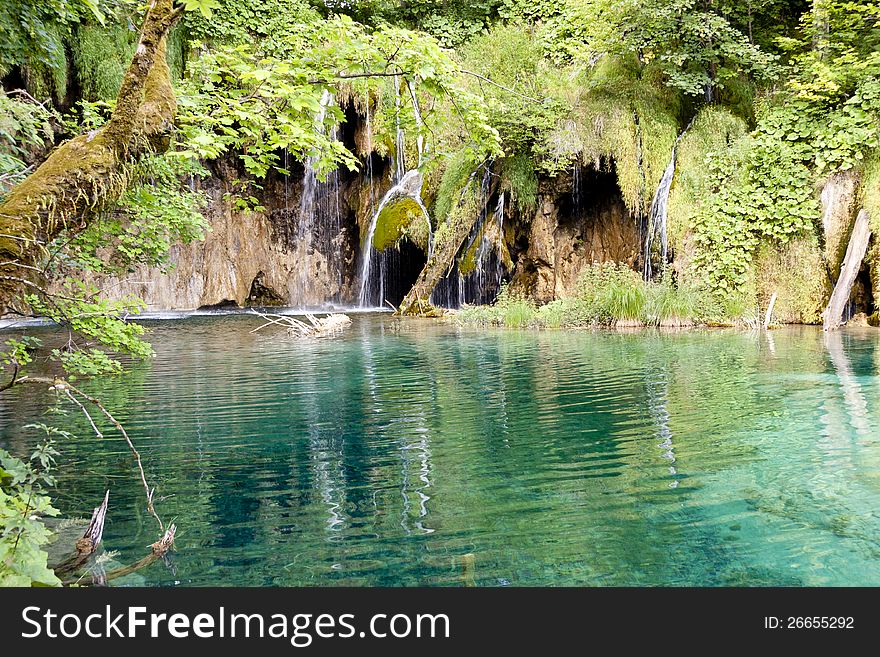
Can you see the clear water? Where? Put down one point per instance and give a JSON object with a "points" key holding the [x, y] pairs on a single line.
{"points": [[555, 458]]}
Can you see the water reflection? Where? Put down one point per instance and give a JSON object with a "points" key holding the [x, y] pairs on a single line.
{"points": [[406, 450]]}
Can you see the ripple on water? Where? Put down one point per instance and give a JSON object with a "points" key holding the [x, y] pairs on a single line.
{"points": [[382, 457]]}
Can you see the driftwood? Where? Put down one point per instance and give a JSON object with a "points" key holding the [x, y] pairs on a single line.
{"points": [[849, 269], [316, 327], [157, 551], [88, 543]]}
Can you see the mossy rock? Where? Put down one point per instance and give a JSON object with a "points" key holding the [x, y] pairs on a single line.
{"points": [[394, 220]]}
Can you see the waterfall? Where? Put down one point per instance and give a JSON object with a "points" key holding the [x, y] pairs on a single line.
{"points": [[399, 143], [483, 283], [319, 224], [409, 187], [377, 266], [420, 139], [499, 262], [657, 218]]}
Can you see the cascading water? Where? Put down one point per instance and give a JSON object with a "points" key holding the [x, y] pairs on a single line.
{"points": [[409, 187], [656, 227], [657, 219], [482, 284], [499, 261], [399, 137], [319, 227], [378, 266]]}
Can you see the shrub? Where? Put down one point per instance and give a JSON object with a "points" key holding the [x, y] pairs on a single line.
{"points": [[606, 294]]}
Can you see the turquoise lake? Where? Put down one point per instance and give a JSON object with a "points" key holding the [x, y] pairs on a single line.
{"points": [[385, 456]]}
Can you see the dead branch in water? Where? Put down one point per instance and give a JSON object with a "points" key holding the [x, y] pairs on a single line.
{"points": [[88, 543], [157, 551], [316, 327], [70, 390]]}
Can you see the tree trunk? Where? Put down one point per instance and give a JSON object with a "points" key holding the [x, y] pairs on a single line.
{"points": [[849, 269], [416, 300], [89, 172]]}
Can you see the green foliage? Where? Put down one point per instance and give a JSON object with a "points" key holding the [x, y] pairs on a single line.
{"points": [[240, 99], [714, 130], [26, 128], [18, 352], [153, 214], [459, 170], [694, 45], [235, 100], [269, 22], [32, 32], [827, 120], [528, 107], [101, 56], [519, 178], [607, 294], [23, 504], [627, 119], [796, 272], [451, 22], [92, 320], [511, 309], [871, 190]]}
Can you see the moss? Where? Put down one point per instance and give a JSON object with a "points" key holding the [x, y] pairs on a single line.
{"points": [[448, 239], [458, 171], [87, 172], [520, 180], [467, 263], [626, 118], [45, 77], [100, 57], [46, 82], [178, 42], [795, 272], [394, 220]]}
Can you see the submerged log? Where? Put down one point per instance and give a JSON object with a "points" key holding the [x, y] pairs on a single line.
{"points": [[158, 550], [849, 269], [88, 543]]}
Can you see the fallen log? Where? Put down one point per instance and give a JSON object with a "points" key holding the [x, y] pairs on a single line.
{"points": [[316, 327], [448, 244], [849, 269], [90, 172], [88, 543], [157, 551]]}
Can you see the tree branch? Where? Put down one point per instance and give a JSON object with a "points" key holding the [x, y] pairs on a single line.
{"points": [[64, 386], [500, 86]]}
